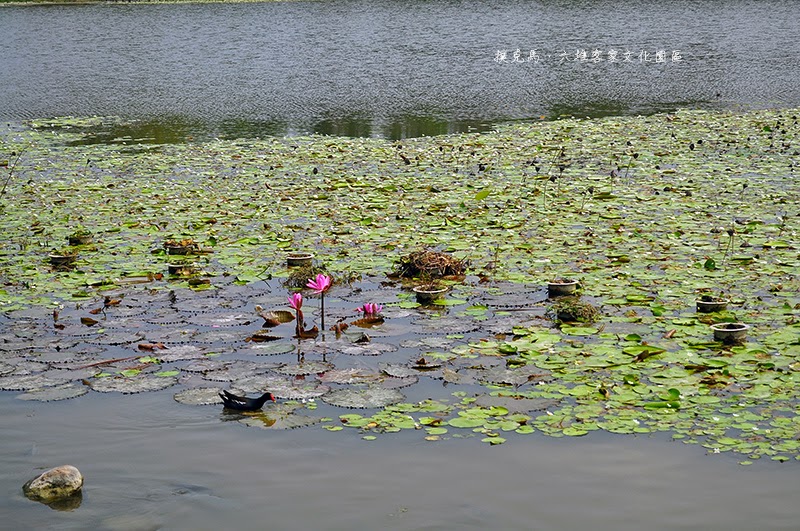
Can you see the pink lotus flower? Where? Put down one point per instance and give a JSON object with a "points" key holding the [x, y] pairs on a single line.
{"points": [[370, 309], [296, 301], [322, 283]]}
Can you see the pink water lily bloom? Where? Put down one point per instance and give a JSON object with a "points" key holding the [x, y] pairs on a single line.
{"points": [[370, 309], [322, 283], [296, 301]]}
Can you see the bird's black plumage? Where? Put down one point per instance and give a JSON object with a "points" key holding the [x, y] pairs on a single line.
{"points": [[242, 403]]}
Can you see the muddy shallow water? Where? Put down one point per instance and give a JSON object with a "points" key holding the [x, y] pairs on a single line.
{"points": [[150, 463]]}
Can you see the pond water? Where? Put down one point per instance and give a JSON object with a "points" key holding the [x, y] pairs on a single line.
{"points": [[152, 464], [389, 69]]}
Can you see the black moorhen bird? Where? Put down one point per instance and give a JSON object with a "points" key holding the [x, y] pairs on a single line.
{"points": [[242, 403]]}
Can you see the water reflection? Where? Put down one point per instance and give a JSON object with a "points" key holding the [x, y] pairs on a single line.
{"points": [[177, 129]]}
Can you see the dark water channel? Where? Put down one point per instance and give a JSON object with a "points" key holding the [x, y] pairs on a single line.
{"points": [[387, 68]]}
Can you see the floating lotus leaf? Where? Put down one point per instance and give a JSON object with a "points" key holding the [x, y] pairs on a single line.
{"points": [[268, 349], [349, 376], [516, 404], [515, 300], [52, 394], [16, 345], [176, 336], [368, 322], [72, 374], [397, 370], [303, 368], [199, 396], [276, 317], [115, 338], [447, 326], [427, 342], [180, 353], [27, 365], [579, 330], [137, 384], [25, 382], [206, 305], [222, 320], [396, 383], [234, 370], [165, 316], [205, 365], [297, 389], [71, 358], [368, 349], [461, 376], [261, 383], [372, 397], [499, 375], [80, 331], [425, 363], [128, 311], [218, 336], [506, 325], [262, 336]]}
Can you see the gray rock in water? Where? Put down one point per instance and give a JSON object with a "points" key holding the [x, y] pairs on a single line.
{"points": [[55, 484]]}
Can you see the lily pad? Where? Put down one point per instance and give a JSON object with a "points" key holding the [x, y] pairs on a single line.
{"points": [[373, 397], [305, 368], [137, 384], [52, 394], [199, 396]]}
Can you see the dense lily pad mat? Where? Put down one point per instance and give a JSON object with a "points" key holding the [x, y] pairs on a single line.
{"points": [[645, 212]]}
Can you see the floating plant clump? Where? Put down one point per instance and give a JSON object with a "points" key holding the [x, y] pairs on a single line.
{"points": [[573, 309], [430, 264]]}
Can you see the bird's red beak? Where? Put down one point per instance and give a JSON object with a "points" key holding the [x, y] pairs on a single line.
{"points": [[272, 397]]}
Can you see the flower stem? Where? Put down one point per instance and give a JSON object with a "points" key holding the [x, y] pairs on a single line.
{"points": [[322, 309]]}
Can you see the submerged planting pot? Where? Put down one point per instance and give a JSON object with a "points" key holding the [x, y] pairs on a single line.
{"points": [[730, 333], [428, 294], [181, 269], [299, 259], [178, 249], [559, 288], [710, 304], [62, 260], [79, 238]]}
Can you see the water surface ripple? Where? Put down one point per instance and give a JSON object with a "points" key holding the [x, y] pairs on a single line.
{"points": [[388, 68]]}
